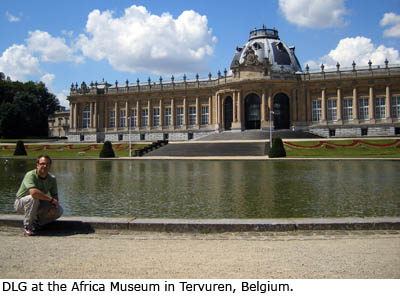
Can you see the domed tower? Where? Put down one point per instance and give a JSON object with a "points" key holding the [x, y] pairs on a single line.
{"points": [[262, 54]]}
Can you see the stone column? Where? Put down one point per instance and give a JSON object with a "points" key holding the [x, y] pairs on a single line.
{"points": [[172, 113], [294, 106], [355, 104], [263, 105], [210, 110], [239, 98], [161, 113], [234, 106], [197, 112], [71, 116], [127, 114], [138, 114], [116, 110], [388, 103], [185, 112], [371, 103], [339, 104], [106, 121], [323, 105], [95, 116], [219, 109], [76, 116], [309, 105], [269, 103], [150, 114]]}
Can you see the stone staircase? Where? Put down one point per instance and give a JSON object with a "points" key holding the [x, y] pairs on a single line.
{"points": [[228, 144]]}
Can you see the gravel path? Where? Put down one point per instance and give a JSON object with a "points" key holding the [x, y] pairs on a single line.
{"points": [[128, 254]]}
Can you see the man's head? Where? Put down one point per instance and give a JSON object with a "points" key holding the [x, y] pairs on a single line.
{"points": [[43, 165]]}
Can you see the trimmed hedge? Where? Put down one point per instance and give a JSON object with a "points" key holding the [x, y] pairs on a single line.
{"points": [[277, 150], [20, 149], [107, 150]]}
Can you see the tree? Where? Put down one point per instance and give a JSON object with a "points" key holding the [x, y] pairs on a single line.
{"points": [[277, 150], [107, 150], [25, 108], [20, 149]]}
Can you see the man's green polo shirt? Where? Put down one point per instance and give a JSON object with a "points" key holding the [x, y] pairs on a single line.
{"points": [[32, 180]]}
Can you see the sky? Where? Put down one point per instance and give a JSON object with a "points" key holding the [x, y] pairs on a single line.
{"points": [[64, 42]]}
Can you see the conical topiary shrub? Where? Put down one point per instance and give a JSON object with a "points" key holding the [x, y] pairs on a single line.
{"points": [[277, 149], [20, 149], [107, 150]]}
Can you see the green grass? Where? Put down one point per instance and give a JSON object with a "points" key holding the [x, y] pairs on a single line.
{"points": [[362, 150], [58, 151]]}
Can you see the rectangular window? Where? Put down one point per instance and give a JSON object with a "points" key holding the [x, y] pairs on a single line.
{"points": [[86, 117], [396, 107], [380, 107], [156, 117], [316, 110], [179, 116], [145, 117], [192, 115], [347, 109], [332, 110], [111, 122], [204, 115], [167, 116], [133, 118], [122, 118], [363, 109]]}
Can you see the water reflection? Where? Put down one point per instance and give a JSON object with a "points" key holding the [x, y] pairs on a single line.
{"points": [[217, 189]]}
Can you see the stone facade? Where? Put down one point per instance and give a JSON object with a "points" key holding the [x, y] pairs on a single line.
{"points": [[59, 123], [347, 102]]}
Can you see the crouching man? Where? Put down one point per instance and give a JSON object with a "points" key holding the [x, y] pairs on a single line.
{"points": [[37, 197]]}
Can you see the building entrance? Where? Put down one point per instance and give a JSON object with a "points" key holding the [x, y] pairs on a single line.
{"points": [[252, 111], [228, 113], [281, 111]]}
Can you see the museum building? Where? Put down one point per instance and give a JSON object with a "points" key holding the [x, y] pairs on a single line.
{"points": [[265, 88]]}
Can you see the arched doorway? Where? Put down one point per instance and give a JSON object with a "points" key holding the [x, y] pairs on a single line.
{"points": [[252, 111], [281, 111], [228, 113]]}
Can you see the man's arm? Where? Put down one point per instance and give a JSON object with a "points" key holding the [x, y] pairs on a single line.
{"points": [[36, 193]]}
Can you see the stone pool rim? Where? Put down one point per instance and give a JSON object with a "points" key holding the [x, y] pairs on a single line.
{"points": [[214, 225]]}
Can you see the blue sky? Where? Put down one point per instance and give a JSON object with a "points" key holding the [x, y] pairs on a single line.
{"points": [[60, 42]]}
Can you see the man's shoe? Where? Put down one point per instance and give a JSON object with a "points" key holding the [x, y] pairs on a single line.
{"points": [[28, 231]]}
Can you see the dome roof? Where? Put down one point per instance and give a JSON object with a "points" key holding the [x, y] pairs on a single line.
{"points": [[264, 48]]}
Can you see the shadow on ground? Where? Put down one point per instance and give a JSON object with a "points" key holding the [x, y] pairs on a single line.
{"points": [[64, 228]]}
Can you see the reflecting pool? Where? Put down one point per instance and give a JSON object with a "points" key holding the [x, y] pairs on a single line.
{"points": [[217, 189]]}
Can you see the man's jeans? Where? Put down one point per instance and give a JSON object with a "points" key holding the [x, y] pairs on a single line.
{"points": [[36, 211]]}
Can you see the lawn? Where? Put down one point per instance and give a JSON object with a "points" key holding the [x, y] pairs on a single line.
{"points": [[57, 151], [385, 148]]}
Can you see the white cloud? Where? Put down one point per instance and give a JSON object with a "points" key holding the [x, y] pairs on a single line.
{"points": [[393, 20], [358, 49], [12, 18], [62, 97], [139, 41], [51, 49], [314, 13], [18, 63], [48, 79]]}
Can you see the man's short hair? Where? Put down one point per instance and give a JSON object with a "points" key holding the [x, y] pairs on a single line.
{"points": [[45, 156]]}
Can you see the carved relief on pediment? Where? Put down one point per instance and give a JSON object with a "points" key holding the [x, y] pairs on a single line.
{"points": [[250, 58]]}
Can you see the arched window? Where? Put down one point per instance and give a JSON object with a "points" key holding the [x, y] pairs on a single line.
{"points": [[86, 117]]}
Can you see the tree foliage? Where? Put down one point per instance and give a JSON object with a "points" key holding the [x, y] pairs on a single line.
{"points": [[277, 150], [20, 149], [107, 150], [25, 108]]}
